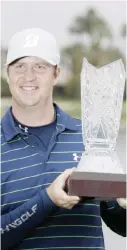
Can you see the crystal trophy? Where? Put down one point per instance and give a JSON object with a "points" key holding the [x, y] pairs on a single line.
{"points": [[99, 173]]}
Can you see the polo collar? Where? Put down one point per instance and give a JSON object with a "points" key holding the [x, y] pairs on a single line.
{"points": [[64, 121], [9, 127]]}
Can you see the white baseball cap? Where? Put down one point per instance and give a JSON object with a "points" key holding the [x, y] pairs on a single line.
{"points": [[33, 42]]}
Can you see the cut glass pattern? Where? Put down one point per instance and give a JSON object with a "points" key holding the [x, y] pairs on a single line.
{"points": [[101, 103]]}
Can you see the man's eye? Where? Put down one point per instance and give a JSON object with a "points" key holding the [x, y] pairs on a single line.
{"points": [[40, 67], [19, 66]]}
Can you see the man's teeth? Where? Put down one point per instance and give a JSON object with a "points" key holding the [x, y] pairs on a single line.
{"points": [[29, 88]]}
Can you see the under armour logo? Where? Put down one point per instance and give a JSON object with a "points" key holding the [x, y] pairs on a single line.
{"points": [[75, 158], [24, 129], [31, 41]]}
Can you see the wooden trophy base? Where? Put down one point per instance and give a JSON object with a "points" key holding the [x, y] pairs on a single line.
{"points": [[97, 185]]}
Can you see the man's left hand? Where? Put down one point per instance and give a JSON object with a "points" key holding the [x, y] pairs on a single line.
{"points": [[122, 202]]}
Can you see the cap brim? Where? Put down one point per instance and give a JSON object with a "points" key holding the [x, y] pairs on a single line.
{"points": [[43, 57]]}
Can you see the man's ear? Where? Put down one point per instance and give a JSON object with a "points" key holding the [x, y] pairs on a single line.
{"points": [[56, 74]]}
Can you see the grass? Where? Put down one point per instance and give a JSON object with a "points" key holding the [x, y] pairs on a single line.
{"points": [[72, 107]]}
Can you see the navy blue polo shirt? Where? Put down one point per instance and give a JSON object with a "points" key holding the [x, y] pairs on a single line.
{"points": [[42, 134], [30, 220]]}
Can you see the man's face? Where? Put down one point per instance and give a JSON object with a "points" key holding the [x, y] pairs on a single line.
{"points": [[31, 81]]}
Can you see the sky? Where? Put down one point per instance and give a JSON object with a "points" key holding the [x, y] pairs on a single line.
{"points": [[57, 16]]}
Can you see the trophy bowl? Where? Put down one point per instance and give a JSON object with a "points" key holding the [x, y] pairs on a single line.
{"points": [[99, 173]]}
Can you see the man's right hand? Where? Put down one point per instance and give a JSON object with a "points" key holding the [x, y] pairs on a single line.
{"points": [[58, 195]]}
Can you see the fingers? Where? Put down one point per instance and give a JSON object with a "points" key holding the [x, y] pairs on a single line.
{"points": [[122, 202], [68, 198], [68, 205], [58, 195], [67, 201]]}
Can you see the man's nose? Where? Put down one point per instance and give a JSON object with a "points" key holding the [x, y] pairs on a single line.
{"points": [[29, 75]]}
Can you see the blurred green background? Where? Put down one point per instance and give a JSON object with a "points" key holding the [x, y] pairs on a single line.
{"points": [[99, 50]]}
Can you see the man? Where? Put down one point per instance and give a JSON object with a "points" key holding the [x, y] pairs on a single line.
{"points": [[40, 144]]}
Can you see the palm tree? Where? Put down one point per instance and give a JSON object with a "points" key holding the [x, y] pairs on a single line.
{"points": [[72, 56], [96, 29], [92, 25]]}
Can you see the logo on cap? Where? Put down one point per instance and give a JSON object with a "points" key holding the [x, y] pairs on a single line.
{"points": [[31, 41]]}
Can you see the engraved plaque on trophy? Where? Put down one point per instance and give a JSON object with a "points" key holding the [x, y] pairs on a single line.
{"points": [[99, 173]]}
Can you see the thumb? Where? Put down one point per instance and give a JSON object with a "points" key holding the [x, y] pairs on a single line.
{"points": [[67, 173]]}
